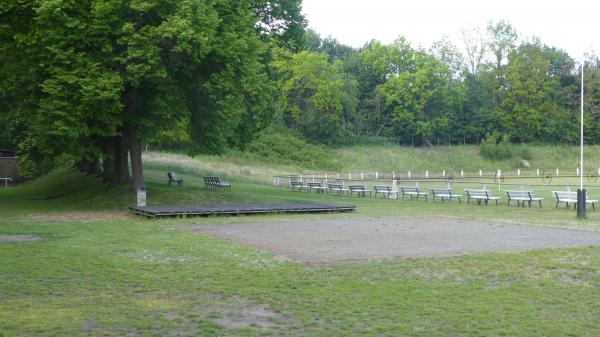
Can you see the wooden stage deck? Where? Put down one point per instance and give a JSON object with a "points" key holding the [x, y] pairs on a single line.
{"points": [[241, 209]]}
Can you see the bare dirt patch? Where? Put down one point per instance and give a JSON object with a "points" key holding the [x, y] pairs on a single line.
{"points": [[243, 317], [17, 238], [78, 216], [332, 240]]}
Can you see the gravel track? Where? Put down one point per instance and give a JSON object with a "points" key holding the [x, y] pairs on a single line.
{"points": [[342, 239]]}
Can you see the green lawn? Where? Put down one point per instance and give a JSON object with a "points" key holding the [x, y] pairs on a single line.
{"points": [[101, 272]]}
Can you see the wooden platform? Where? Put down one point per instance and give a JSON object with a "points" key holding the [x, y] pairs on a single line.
{"points": [[242, 209]]}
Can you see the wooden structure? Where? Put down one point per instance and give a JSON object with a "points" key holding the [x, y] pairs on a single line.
{"points": [[9, 168], [243, 209]]}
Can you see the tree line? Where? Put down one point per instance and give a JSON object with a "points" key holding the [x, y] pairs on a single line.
{"points": [[91, 81], [500, 85]]}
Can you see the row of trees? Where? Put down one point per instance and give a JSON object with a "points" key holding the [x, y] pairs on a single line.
{"points": [[413, 95], [91, 81]]}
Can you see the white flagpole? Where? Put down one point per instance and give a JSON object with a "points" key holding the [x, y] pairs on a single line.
{"points": [[581, 130]]}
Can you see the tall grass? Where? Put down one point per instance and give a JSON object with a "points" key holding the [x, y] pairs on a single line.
{"points": [[253, 168], [462, 157], [234, 166]]}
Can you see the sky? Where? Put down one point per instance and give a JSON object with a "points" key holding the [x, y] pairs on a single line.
{"points": [[573, 25]]}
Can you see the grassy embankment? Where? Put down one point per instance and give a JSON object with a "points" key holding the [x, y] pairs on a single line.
{"points": [[100, 272]]}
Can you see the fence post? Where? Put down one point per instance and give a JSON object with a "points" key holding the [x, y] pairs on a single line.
{"points": [[444, 173], [519, 172], [462, 173], [480, 173], [408, 174], [326, 177], [361, 176], [394, 190], [557, 172], [376, 175], [537, 172], [426, 174]]}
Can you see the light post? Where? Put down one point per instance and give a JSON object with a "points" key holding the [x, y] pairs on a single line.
{"points": [[581, 194]]}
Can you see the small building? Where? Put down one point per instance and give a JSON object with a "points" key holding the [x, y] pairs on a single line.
{"points": [[8, 166]]}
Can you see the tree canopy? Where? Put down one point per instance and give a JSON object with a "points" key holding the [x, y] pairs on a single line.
{"points": [[91, 81]]}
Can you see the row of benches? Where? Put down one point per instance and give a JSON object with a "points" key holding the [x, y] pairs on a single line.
{"points": [[443, 194], [213, 183]]}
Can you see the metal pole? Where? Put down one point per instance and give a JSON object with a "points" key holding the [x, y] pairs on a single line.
{"points": [[581, 134], [581, 194]]}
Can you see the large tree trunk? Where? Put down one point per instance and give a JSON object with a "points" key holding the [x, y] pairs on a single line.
{"points": [[122, 152], [116, 161], [135, 152]]}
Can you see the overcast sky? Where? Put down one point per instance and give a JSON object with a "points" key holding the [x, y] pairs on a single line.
{"points": [[572, 25]]}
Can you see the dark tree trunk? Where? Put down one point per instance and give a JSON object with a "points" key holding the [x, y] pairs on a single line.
{"points": [[115, 164], [135, 151], [122, 152]]}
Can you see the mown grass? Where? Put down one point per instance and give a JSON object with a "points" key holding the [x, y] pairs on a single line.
{"points": [[101, 272]]}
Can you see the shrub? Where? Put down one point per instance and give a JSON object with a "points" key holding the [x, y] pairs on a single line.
{"points": [[285, 147], [491, 149]]}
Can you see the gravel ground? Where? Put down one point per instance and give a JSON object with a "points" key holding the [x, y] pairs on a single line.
{"points": [[332, 240], [10, 238]]}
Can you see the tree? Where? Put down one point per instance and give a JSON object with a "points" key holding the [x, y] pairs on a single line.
{"points": [[315, 95], [502, 39], [474, 48], [104, 75]]}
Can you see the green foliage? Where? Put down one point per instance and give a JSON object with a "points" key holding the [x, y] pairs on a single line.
{"points": [[283, 146], [316, 96], [493, 148]]}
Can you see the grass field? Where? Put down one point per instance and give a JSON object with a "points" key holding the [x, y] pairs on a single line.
{"points": [[98, 271]]}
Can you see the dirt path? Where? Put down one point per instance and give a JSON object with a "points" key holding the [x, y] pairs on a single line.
{"points": [[332, 240]]}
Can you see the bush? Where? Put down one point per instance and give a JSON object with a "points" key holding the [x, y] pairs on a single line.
{"points": [[524, 152], [285, 147], [491, 149]]}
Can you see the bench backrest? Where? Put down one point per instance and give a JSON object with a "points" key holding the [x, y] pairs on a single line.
{"points": [[562, 195], [409, 189], [443, 191], [478, 193], [314, 184], [296, 183], [519, 194], [357, 187], [382, 188], [335, 186]]}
